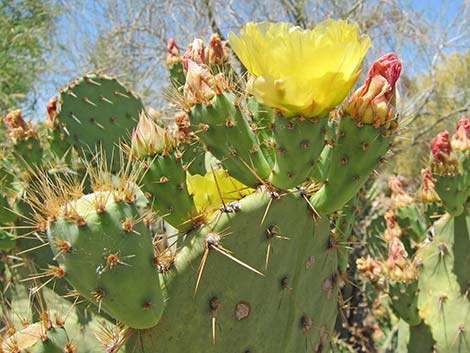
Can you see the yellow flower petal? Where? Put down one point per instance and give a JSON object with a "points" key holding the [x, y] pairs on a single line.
{"points": [[206, 196], [299, 71]]}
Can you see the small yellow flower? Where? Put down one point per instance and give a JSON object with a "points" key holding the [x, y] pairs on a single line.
{"points": [[298, 71]]}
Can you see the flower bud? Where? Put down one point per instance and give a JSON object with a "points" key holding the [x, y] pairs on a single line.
{"points": [[216, 53], [374, 102], [440, 147], [201, 86], [370, 267], [173, 55], [393, 230], [148, 138], [18, 128], [51, 118], [427, 191], [399, 197], [397, 254], [461, 139], [195, 52]]}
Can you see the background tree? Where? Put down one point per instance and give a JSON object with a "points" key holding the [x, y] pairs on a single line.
{"points": [[25, 26]]}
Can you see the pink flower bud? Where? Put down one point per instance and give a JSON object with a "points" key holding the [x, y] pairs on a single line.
{"points": [[148, 138], [216, 53], [201, 86], [399, 197], [427, 191], [18, 128], [393, 230], [397, 254], [173, 55], [374, 101], [195, 52], [461, 139], [440, 147]]}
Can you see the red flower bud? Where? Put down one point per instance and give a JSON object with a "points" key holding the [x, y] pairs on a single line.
{"points": [[427, 191], [216, 53], [173, 55], [461, 139], [440, 147], [374, 101]]}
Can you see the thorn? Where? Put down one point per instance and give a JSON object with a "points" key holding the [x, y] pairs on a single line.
{"points": [[201, 268], [225, 253]]}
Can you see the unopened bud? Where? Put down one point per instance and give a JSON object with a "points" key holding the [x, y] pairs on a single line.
{"points": [[461, 139], [195, 52], [400, 198], [18, 128], [393, 229], [173, 55], [148, 138], [201, 86], [374, 102], [427, 191], [440, 147], [51, 119], [216, 52]]}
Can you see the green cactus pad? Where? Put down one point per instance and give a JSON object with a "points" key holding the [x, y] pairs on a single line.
{"points": [[176, 73], [444, 284], [414, 339], [404, 301], [299, 143], [165, 180], [412, 222], [96, 110], [224, 129], [292, 308], [109, 260], [7, 214], [454, 191], [7, 240], [261, 123], [356, 152]]}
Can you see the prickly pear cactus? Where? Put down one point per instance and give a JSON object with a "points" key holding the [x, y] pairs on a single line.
{"points": [[443, 283], [199, 236]]}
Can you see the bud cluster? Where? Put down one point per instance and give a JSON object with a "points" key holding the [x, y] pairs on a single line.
{"points": [[447, 154], [204, 79]]}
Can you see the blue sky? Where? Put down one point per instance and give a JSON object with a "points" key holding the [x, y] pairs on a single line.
{"points": [[434, 11]]}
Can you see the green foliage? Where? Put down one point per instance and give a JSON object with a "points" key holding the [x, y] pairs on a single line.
{"points": [[24, 28]]}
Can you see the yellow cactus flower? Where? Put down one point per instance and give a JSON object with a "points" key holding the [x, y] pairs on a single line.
{"points": [[301, 72], [205, 193]]}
